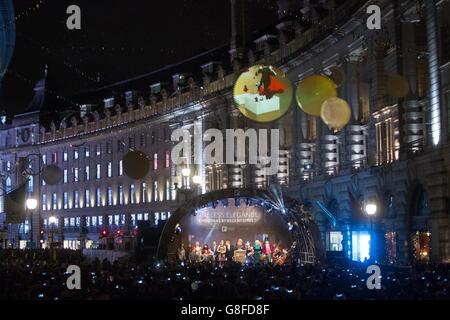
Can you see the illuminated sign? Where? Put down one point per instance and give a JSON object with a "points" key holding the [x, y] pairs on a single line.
{"points": [[219, 216]]}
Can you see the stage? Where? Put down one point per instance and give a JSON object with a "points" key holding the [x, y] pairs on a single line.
{"points": [[246, 216]]}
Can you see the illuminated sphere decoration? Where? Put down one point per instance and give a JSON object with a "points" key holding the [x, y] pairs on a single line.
{"points": [[397, 86], [312, 92], [136, 164], [335, 113], [337, 75], [263, 93], [52, 174]]}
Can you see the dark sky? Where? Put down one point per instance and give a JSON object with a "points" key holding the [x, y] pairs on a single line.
{"points": [[119, 39]]}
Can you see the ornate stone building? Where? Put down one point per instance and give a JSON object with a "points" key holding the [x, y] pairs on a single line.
{"points": [[394, 152]]}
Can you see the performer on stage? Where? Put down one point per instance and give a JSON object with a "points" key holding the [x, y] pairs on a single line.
{"points": [[230, 250], [214, 251], [206, 254], [268, 250], [248, 251], [197, 251], [181, 253], [214, 247], [221, 252], [257, 249], [239, 245]]}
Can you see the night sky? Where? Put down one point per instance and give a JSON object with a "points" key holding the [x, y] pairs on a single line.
{"points": [[119, 39]]}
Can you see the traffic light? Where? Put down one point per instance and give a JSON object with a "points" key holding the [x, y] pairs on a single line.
{"points": [[118, 233], [104, 233]]}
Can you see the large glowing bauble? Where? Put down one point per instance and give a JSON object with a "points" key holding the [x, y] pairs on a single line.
{"points": [[397, 86], [263, 93], [313, 91], [136, 164], [335, 113], [52, 174]]}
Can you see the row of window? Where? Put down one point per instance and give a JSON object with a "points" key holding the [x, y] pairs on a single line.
{"points": [[111, 220], [108, 148], [111, 199], [108, 168]]}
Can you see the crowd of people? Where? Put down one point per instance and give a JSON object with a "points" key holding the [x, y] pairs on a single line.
{"points": [[223, 251], [35, 275]]}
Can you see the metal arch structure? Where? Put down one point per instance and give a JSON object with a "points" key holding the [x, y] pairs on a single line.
{"points": [[303, 230], [7, 34]]}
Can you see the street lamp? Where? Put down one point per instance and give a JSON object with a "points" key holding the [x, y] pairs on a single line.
{"points": [[31, 205], [371, 210]]}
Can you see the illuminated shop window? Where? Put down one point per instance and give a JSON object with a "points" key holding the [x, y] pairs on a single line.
{"points": [[360, 245], [335, 243]]}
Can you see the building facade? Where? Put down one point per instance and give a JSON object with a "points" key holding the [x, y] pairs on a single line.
{"points": [[394, 152]]}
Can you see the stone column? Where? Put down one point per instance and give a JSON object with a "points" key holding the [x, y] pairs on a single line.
{"points": [[434, 90]]}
